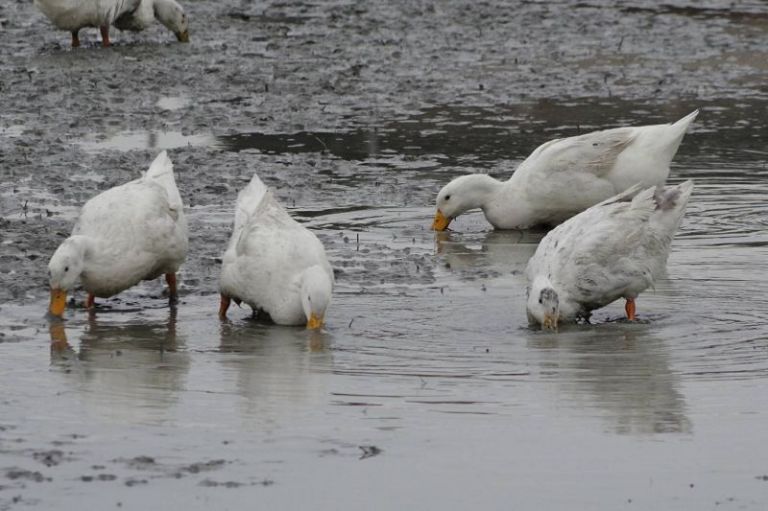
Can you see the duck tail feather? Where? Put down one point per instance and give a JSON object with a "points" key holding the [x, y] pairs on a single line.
{"points": [[161, 171], [248, 201], [679, 129], [674, 197], [686, 121], [671, 203]]}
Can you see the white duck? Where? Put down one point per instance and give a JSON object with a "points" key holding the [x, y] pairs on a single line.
{"points": [[129, 233], [612, 250], [273, 263], [134, 15], [565, 176]]}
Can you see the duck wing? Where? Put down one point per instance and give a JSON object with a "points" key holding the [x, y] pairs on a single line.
{"points": [[593, 153], [144, 214]]}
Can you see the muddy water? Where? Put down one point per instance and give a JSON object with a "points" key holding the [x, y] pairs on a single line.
{"points": [[427, 386]]}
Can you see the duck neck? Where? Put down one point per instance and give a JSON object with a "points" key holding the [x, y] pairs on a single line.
{"points": [[165, 13], [481, 189], [83, 245], [508, 208]]}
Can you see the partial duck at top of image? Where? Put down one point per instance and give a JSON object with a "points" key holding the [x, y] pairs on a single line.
{"points": [[129, 15]]}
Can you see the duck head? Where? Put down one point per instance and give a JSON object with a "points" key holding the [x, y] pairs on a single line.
{"points": [[172, 15], [543, 305], [316, 288], [461, 195], [64, 269]]}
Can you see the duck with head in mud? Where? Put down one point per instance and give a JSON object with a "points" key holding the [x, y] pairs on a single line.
{"points": [[566, 176], [274, 264], [615, 249], [133, 15]]}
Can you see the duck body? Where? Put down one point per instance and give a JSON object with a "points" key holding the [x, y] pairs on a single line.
{"points": [[273, 263], [134, 15], [565, 176], [132, 232], [615, 249], [72, 15], [145, 237]]}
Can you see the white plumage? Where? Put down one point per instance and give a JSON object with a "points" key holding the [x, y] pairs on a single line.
{"points": [[565, 176], [273, 263], [132, 232], [612, 250], [134, 15]]}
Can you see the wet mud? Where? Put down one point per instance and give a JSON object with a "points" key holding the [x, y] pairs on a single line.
{"points": [[427, 385]]}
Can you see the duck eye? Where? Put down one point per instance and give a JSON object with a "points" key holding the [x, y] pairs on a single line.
{"points": [[447, 197], [66, 268], [541, 301]]}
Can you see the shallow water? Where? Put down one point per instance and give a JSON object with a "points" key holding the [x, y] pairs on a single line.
{"points": [[427, 386]]}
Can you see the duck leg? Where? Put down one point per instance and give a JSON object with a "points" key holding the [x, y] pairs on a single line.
{"points": [[75, 39], [630, 309], [225, 301], [90, 302], [105, 36], [170, 279]]}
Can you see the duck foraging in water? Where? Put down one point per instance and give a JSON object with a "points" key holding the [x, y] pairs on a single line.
{"points": [[274, 264], [132, 232], [566, 176], [134, 15], [615, 249]]}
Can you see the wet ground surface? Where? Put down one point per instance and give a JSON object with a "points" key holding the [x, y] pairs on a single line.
{"points": [[427, 386]]}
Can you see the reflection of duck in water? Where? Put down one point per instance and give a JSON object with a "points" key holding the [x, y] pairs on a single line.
{"points": [[280, 371], [500, 251], [623, 373], [565, 176], [132, 370]]}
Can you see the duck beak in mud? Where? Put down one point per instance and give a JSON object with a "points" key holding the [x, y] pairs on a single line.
{"points": [[441, 221], [549, 323], [58, 302], [183, 37], [315, 322]]}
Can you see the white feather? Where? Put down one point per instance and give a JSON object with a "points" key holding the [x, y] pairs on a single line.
{"points": [[132, 232], [270, 258], [73, 15], [612, 250], [565, 176], [161, 172], [134, 15]]}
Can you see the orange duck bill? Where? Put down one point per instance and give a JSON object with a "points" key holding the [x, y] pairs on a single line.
{"points": [[314, 322], [441, 221], [58, 302]]}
